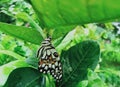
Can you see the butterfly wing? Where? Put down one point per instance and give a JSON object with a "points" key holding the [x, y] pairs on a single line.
{"points": [[49, 62]]}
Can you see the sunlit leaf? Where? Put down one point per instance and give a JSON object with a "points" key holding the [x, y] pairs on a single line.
{"points": [[62, 16], [94, 80], [63, 13], [24, 33], [6, 69], [13, 54]]}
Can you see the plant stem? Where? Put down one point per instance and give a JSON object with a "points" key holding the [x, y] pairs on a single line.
{"points": [[39, 29]]}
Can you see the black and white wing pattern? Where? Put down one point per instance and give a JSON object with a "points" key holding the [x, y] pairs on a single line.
{"points": [[49, 60]]}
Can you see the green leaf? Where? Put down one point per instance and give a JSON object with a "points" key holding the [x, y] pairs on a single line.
{"points": [[4, 17], [58, 32], [1, 46], [13, 54], [24, 33], [55, 13], [110, 76], [83, 83], [6, 69], [77, 60], [50, 81], [25, 77], [28, 77], [66, 41], [22, 15], [33, 62], [62, 16], [94, 80]]}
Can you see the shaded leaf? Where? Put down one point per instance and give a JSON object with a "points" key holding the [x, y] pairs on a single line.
{"points": [[5, 18], [77, 60], [28, 77], [25, 77]]}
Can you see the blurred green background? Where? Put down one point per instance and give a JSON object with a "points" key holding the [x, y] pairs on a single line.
{"points": [[86, 33]]}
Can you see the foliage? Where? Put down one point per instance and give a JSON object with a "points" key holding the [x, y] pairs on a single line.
{"points": [[78, 44], [110, 76], [75, 66], [24, 33], [24, 78], [93, 80]]}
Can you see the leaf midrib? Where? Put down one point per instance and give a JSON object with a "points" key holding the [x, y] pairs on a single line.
{"points": [[77, 66]]}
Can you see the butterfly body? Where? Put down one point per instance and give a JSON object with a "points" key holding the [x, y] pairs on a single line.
{"points": [[49, 60]]}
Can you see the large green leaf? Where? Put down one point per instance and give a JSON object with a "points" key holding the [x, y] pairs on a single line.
{"points": [[6, 69], [61, 16], [77, 60], [28, 77], [54, 13], [24, 33], [24, 77]]}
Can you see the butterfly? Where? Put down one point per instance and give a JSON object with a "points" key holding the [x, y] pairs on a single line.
{"points": [[49, 60]]}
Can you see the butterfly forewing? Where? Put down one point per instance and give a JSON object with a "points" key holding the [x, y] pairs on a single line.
{"points": [[49, 60]]}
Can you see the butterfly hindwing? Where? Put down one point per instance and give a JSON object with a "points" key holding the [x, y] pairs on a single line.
{"points": [[49, 60]]}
